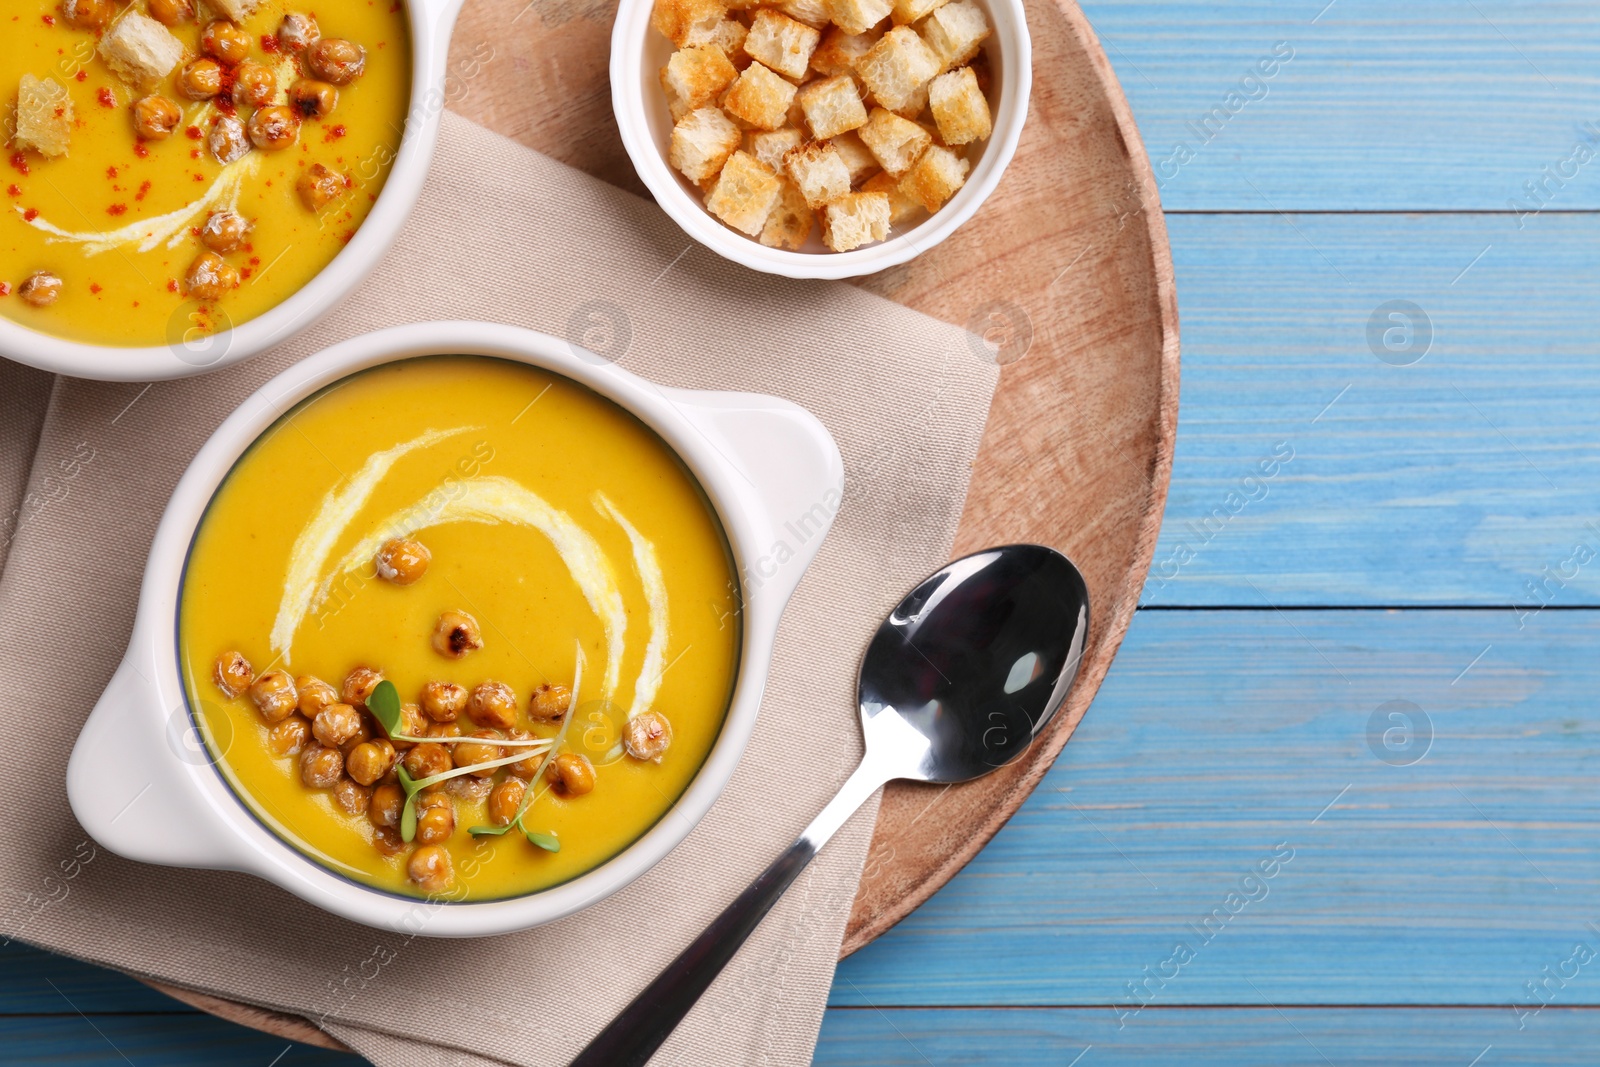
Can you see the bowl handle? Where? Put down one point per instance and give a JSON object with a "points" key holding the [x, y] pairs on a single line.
{"points": [[786, 461]]}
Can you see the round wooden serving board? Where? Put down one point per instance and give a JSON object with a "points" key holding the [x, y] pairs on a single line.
{"points": [[1066, 269]]}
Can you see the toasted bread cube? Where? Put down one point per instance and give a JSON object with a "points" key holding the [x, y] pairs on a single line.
{"points": [[832, 106], [813, 13], [959, 107], [855, 219], [139, 49], [744, 193], [760, 98], [44, 116], [897, 66], [858, 16], [901, 205], [702, 141], [894, 141], [781, 43], [818, 171], [235, 10], [687, 22], [694, 76], [858, 158], [936, 177], [909, 11], [769, 146], [915, 104], [791, 220], [729, 37], [955, 32], [838, 52]]}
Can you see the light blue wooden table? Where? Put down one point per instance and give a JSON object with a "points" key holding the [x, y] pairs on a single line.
{"points": [[1350, 879]]}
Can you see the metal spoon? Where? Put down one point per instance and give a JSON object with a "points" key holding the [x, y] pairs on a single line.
{"points": [[957, 681]]}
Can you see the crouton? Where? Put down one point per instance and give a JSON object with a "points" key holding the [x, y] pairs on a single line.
{"points": [[955, 32], [760, 98], [702, 141], [959, 107], [791, 220], [694, 76], [858, 16], [44, 116], [901, 205], [813, 13], [770, 145], [855, 219], [745, 193], [935, 177], [781, 43], [838, 52], [832, 106], [729, 36], [908, 11], [687, 22], [858, 158], [234, 10], [914, 105], [897, 66], [895, 142], [140, 50], [818, 171]]}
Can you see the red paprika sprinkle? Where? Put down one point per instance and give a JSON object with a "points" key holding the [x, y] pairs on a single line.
{"points": [[5, 288], [269, 42], [82, 75], [30, 214], [334, 133], [49, 20], [193, 133], [117, 209], [111, 173], [172, 285], [15, 190], [93, 288], [140, 150], [20, 161], [144, 187], [106, 97]]}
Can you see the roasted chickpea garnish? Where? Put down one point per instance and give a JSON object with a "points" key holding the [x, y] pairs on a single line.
{"points": [[387, 841], [369, 761], [200, 79], [336, 60], [313, 99], [225, 41], [443, 729], [455, 634], [469, 789], [524, 768], [402, 561], [225, 231], [41, 289], [89, 14], [363, 734], [436, 818], [387, 801], [297, 32], [171, 12], [430, 868], [427, 760], [289, 736], [443, 701], [336, 724], [228, 140], [318, 186], [155, 117], [359, 684], [571, 774], [351, 795], [321, 767], [254, 85], [274, 695], [504, 799], [469, 752], [210, 277], [274, 128], [315, 694], [647, 736], [549, 702], [412, 724], [493, 704], [232, 673]]}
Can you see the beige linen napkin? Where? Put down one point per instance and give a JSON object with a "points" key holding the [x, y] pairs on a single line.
{"points": [[508, 235]]}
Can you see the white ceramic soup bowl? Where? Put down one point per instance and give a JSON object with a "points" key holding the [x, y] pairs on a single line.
{"points": [[144, 784], [637, 55], [187, 353]]}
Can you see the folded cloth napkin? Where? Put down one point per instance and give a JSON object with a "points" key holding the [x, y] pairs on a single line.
{"points": [[507, 235]]}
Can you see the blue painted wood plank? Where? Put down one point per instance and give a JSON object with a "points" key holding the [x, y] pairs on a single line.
{"points": [[1223, 740], [36, 982], [193, 1040], [1427, 104], [1315, 467]]}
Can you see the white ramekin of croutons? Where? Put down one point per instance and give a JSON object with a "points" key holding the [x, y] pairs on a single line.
{"points": [[820, 138]]}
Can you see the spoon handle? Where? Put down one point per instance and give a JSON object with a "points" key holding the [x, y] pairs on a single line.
{"points": [[633, 1036]]}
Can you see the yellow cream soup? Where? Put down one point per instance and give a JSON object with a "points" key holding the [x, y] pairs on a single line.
{"points": [[116, 218], [465, 442]]}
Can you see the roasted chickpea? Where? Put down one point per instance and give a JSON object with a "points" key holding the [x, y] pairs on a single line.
{"points": [[402, 561], [274, 695], [320, 766], [254, 85], [443, 729], [647, 736], [571, 774], [171, 12], [436, 818], [387, 800], [430, 868], [336, 724], [443, 701], [469, 789], [155, 117], [524, 768], [40, 289], [364, 730], [427, 760], [455, 634], [229, 142], [315, 694], [504, 799], [232, 673], [289, 736], [351, 796], [298, 32], [319, 186], [493, 704], [336, 60], [387, 841], [210, 277], [313, 99], [369, 761], [200, 79], [275, 128], [225, 41], [468, 753], [225, 231], [359, 684], [549, 702], [412, 724], [89, 14]]}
